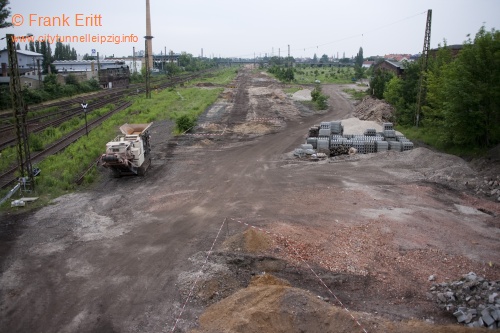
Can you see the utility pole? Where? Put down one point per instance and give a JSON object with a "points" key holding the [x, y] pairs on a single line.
{"points": [[133, 60], [98, 70], [423, 68], [20, 111], [39, 73], [288, 62]]}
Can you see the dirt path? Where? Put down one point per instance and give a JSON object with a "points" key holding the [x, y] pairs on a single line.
{"points": [[117, 258]]}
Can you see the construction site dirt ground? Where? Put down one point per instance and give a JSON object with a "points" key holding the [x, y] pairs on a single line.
{"points": [[229, 232]]}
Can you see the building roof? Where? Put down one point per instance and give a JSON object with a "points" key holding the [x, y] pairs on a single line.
{"points": [[451, 47], [82, 62], [397, 64], [26, 53]]}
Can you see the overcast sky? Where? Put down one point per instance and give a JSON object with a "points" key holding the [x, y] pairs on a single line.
{"points": [[244, 28]]}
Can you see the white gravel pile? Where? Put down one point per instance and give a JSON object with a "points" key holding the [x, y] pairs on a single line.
{"points": [[302, 95], [357, 127]]}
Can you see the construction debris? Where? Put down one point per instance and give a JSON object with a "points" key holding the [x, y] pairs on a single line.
{"points": [[473, 300], [374, 109]]}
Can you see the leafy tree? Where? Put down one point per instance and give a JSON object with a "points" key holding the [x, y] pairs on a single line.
{"points": [[185, 59], [18, 46], [37, 47], [51, 85], [359, 58], [378, 82], [324, 59], [318, 98], [172, 69], [43, 51], [402, 93], [315, 58], [71, 79], [86, 56], [32, 46], [275, 61], [283, 74], [466, 93], [46, 52], [4, 14], [431, 112]]}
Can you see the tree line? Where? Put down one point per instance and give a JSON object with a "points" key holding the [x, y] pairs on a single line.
{"points": [[461, 104], [61, 52]]}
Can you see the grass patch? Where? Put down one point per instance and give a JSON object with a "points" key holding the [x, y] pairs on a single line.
{"points": [[60, 171], [38, 141], [432, 137], [309, 75], [356, 94], [34, 114]]}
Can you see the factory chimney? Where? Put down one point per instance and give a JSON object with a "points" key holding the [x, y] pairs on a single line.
{"points": [[149, 36]]}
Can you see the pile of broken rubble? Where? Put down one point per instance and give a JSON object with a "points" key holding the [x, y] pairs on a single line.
{"points": [[371, 108], [473, 300], [489, 187]]}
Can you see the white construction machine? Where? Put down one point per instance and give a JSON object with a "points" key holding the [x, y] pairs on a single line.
{"points": [[129, 153]]}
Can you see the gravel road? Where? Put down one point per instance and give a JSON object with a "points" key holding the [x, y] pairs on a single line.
{"points": [[110, 259]]}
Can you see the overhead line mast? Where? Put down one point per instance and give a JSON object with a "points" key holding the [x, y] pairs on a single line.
{"points": [[423, 68]]}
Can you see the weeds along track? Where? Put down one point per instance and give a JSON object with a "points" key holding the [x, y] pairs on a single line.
{"points": [[37, 120], [56, 118], [40, 109], [8, 177]]}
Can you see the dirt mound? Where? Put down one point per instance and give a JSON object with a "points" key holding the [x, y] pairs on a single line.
{"points": [[267, 307], [437, 166], [250, 241], [374, 109]]}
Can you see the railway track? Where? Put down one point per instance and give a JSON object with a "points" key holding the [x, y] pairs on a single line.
{"points": [[9, 137], [8, 177]]}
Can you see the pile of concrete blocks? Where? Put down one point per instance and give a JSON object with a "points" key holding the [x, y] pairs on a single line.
{"points": [[323, 145], [370, 132], [336, 128], [359, 145], [473, 300], [395, 145], [314, 131], [381, 146], [370, 147], [328, 137], [312, 141], [325, 129]]}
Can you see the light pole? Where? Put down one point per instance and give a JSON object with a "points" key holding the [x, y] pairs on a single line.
{"points": [[20, 110]]}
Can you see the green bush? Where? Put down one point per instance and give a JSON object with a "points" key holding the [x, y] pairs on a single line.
{"points": [[321, 102], [184, 123]]}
